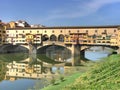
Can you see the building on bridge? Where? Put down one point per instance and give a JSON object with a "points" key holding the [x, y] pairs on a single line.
{"points": [[105, 35], [2, 32], [70, 37]]}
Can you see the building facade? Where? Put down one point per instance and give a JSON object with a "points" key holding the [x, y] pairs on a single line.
{"points": [[2, 32], [91, 35]]}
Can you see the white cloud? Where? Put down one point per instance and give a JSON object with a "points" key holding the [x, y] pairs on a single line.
{"points": [[78, 9]]}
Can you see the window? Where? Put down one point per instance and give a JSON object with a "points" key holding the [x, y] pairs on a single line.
{"points": [[23, 36], [23, 31], [53, 31], [45, 31], [95, 31], [114, 30], [69, 31], [86, 31], [30, 31], [103, 38], [37, 31], [3, 31], [61, 31], [78, 31], [105, 31], [16, 35]]}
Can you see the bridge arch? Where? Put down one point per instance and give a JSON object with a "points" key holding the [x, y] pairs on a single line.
{"points": [[48, 43], [12, 48], [61, 38], [25, 46], [55, 52], [53, 37]]}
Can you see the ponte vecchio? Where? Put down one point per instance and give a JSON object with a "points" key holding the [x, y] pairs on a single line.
{"points": [[74, 38]]}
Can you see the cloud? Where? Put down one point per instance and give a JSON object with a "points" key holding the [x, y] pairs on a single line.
{"points": [[77, 9]]}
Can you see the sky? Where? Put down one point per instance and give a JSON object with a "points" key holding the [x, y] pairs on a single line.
{"points": [[62, 12]]}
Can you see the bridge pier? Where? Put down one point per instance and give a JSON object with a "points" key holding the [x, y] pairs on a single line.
{"points": [[75, 51], [32, 49], [118, 51]]}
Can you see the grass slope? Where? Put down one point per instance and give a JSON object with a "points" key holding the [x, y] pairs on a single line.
{"points": [[104, 76], [59, 85]]}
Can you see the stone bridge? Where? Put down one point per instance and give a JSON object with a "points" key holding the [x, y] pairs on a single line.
{"points": [[74, 48]]}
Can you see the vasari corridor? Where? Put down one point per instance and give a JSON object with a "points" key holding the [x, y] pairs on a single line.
{"points": [[76, 48]]}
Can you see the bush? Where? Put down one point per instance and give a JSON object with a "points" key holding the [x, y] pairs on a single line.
{"points": [[53, 81], [62, 78]]}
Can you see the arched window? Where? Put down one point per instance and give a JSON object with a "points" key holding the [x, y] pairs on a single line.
{"points": [[53, 31], [53, 38], [94, 36], [45, 37], [61, 38]]}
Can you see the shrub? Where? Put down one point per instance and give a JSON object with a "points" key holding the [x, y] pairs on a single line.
{"points": [[53, 81], [62, 78]]}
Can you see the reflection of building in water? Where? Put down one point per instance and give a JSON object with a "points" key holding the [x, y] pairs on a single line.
{"points": [[58, 53], [23, 70], [23, 67]]}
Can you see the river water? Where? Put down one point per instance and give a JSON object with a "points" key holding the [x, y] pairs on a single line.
{"points": [[95, 53]]}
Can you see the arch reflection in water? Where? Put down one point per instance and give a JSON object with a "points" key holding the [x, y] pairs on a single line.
{"points": [[55, 52], [35, 69]]}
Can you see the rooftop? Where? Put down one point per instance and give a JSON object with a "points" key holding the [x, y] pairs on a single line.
{"points": [[65, 27]]}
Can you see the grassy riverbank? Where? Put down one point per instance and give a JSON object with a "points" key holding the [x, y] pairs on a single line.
{"points": [[66, 81], [105, 75], [71, 74]]}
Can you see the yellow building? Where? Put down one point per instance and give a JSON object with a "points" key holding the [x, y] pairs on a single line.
{"points": [[93, 35], [2, 33], [12, 24], [23, 36], [118, 36]]}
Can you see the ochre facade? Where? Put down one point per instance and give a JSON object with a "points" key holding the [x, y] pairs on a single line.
{"points": [[93, 35]]}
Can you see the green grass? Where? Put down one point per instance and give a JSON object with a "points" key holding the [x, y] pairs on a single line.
{"points": [[59, 84], [104, 76]]}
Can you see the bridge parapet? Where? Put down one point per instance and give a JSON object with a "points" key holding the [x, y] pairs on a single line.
{"points": [[53, 43]]}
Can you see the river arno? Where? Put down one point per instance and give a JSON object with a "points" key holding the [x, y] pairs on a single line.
{"points": [[25, 84], [97, 53]]}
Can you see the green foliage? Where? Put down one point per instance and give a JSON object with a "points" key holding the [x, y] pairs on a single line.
{"points": [[62, 78], [53, 81], [67, 81], [104, 76]]}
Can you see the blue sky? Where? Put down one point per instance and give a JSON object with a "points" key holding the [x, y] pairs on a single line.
{"points": [[62, 12]]}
